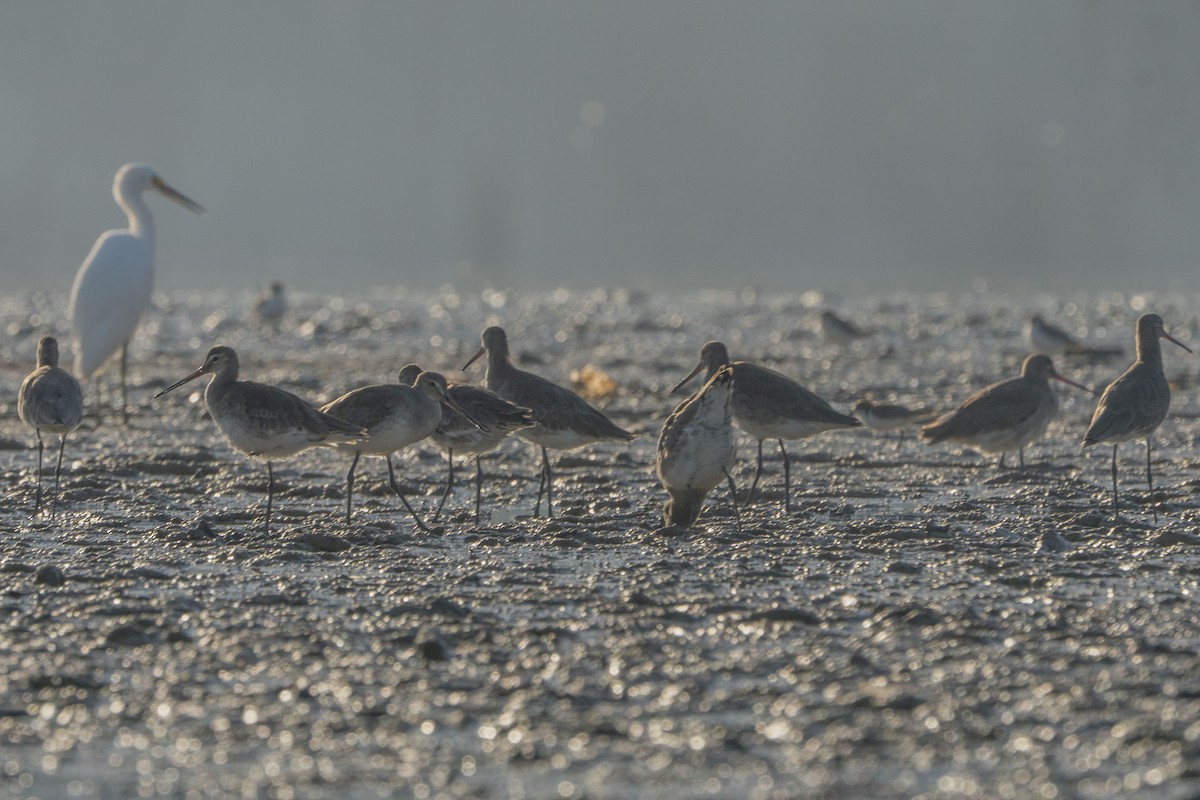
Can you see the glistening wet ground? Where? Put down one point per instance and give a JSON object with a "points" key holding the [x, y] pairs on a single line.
{"points": [[920, 624]]}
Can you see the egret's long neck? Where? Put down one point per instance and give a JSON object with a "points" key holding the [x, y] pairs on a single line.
{"points": [[141, 224]]}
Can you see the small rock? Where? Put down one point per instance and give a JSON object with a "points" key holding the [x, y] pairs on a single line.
{"points": [[639, 598], [50, 575], [128, 636], [782, 614], [180, 635], [1175, 537], [1053, 542], [433, 646], [148, 573], [184, 603], [322, 542], [276, 599], [443, 605]]}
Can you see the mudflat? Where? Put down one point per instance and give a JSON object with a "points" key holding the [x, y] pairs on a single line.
{"points": [[920, 624]]}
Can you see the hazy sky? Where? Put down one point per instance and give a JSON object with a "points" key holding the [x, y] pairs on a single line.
{"points": [[846, 146]]}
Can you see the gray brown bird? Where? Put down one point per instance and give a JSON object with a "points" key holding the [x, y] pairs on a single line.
{"points": [[1005, 416], [394, 415], [264, 422], [564, 420], [695, 450], [1136, 403], [1044, 337], [49, 400], [887, 418], [770, 405], [492, 419]]}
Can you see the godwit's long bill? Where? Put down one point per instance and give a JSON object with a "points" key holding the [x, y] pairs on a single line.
{"points": [[114, 284], [770, 405], [49, 400], [487, 421], [264, 422], [394, 416], [1004, 416], [1136, 403], [564, 419], [695, 450]]}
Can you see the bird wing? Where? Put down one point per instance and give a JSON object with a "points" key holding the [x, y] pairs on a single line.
{"points": [[490, 410], [996, 407], [556, 408], [368, 406], [1135, 404], [267, 409], [761, 394]]}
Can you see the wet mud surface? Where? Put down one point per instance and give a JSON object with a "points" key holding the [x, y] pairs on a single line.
{"points": [[919, 624]]}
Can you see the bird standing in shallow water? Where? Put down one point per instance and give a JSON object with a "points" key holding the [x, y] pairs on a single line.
{"points": [[564, 419], [695, 450], [1136, 403], [394, 415], [770, 405], [264, 422], [50, 400], [113, 286], [492, 419], [1004, 416]]}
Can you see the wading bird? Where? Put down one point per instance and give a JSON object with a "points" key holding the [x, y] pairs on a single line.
{"points": [[113, 286], [564, 419], [695, 450], [1136, 403], [770, 405], [394, 416], [492, 419], [264, 422], [49, 400], [1004, 416]]}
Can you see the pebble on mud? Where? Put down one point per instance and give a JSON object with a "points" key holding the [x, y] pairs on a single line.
{"points": [[50, 575]]}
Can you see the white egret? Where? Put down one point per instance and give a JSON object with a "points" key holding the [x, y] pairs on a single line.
{"points": [[114, 285]]}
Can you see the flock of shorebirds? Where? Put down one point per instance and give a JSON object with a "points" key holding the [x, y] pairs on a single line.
{"points": [[695, 449]]}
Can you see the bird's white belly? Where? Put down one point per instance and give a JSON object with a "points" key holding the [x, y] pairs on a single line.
{"points": [[469, 441], [697, 461], [555, 440], [279, 443], [884, 424], [394, 434], [1006, 439], [783, 429]]}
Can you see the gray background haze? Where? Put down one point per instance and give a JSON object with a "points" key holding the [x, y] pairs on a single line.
{"points": [[844, 146]]}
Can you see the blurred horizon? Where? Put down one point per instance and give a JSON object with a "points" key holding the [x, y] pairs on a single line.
{"points": [[843, 147]]}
